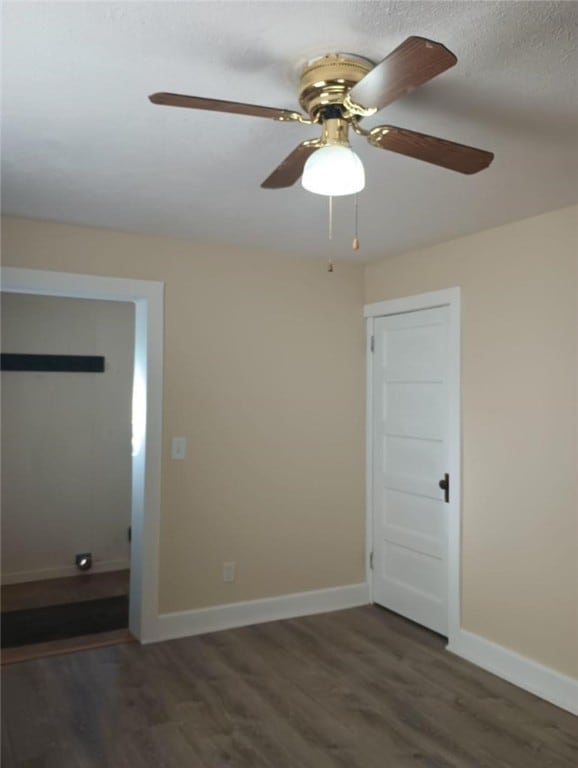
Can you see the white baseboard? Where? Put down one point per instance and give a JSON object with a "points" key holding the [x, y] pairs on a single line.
{"points": [[100, 566], [218, 617], [542, 681], [519, 670]]}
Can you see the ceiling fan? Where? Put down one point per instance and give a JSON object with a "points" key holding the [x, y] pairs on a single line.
{"points": [[337, 91]]}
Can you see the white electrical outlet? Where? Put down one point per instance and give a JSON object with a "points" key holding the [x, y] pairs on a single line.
{"points": [[178, 448], [228, 571]]}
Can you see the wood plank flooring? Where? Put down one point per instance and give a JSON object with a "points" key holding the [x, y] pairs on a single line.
{"points": [[22, 653], [72, 589], [351, 689]]}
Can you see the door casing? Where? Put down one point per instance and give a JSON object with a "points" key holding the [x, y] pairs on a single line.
{"points": [[147, 297], [449, 297]]}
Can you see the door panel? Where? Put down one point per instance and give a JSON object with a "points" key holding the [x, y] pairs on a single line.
{"points": [[414, 458], [417, 515], [410, 457], [414, 408], [409, 567]]}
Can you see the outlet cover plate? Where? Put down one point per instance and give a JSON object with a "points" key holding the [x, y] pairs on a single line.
{"points": [[229, 571]]}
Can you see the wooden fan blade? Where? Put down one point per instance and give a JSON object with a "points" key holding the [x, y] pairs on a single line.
{"points": [[217, 105], [413, 63], [447, 154], [290, 170]]}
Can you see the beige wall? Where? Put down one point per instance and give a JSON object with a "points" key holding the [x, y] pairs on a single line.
{"points": [[66, 437], [264, 374], [264, 360], [519, 421]]}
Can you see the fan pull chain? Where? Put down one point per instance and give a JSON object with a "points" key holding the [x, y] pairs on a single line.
{"points": [[330, 263], [355, 237]]}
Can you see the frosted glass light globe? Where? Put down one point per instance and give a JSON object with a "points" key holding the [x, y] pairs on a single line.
{"points": [[334, 170]]}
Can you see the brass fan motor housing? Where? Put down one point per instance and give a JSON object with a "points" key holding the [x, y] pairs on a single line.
{"points": [[328, 80]]}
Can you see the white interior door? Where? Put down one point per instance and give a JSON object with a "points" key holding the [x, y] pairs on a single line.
{"points": [[410, 457]]}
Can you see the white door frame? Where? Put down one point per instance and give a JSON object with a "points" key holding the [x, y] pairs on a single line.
{"points": [[449, 297], [147, 296]]}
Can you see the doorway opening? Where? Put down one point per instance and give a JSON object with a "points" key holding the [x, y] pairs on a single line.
{"points": [[67, 373], [146, 300]]}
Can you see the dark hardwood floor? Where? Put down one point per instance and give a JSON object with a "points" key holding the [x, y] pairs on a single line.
{"points": [[351, 689], [22, 653], [73, 589]]}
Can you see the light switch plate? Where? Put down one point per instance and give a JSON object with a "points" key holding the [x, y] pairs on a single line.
{"points": [[178, 448]]}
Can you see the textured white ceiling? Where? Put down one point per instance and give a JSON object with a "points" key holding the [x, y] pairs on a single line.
{"points": [[82, 144]]}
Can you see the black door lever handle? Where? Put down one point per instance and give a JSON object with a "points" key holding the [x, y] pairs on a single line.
{"points": [[444, 484]]}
